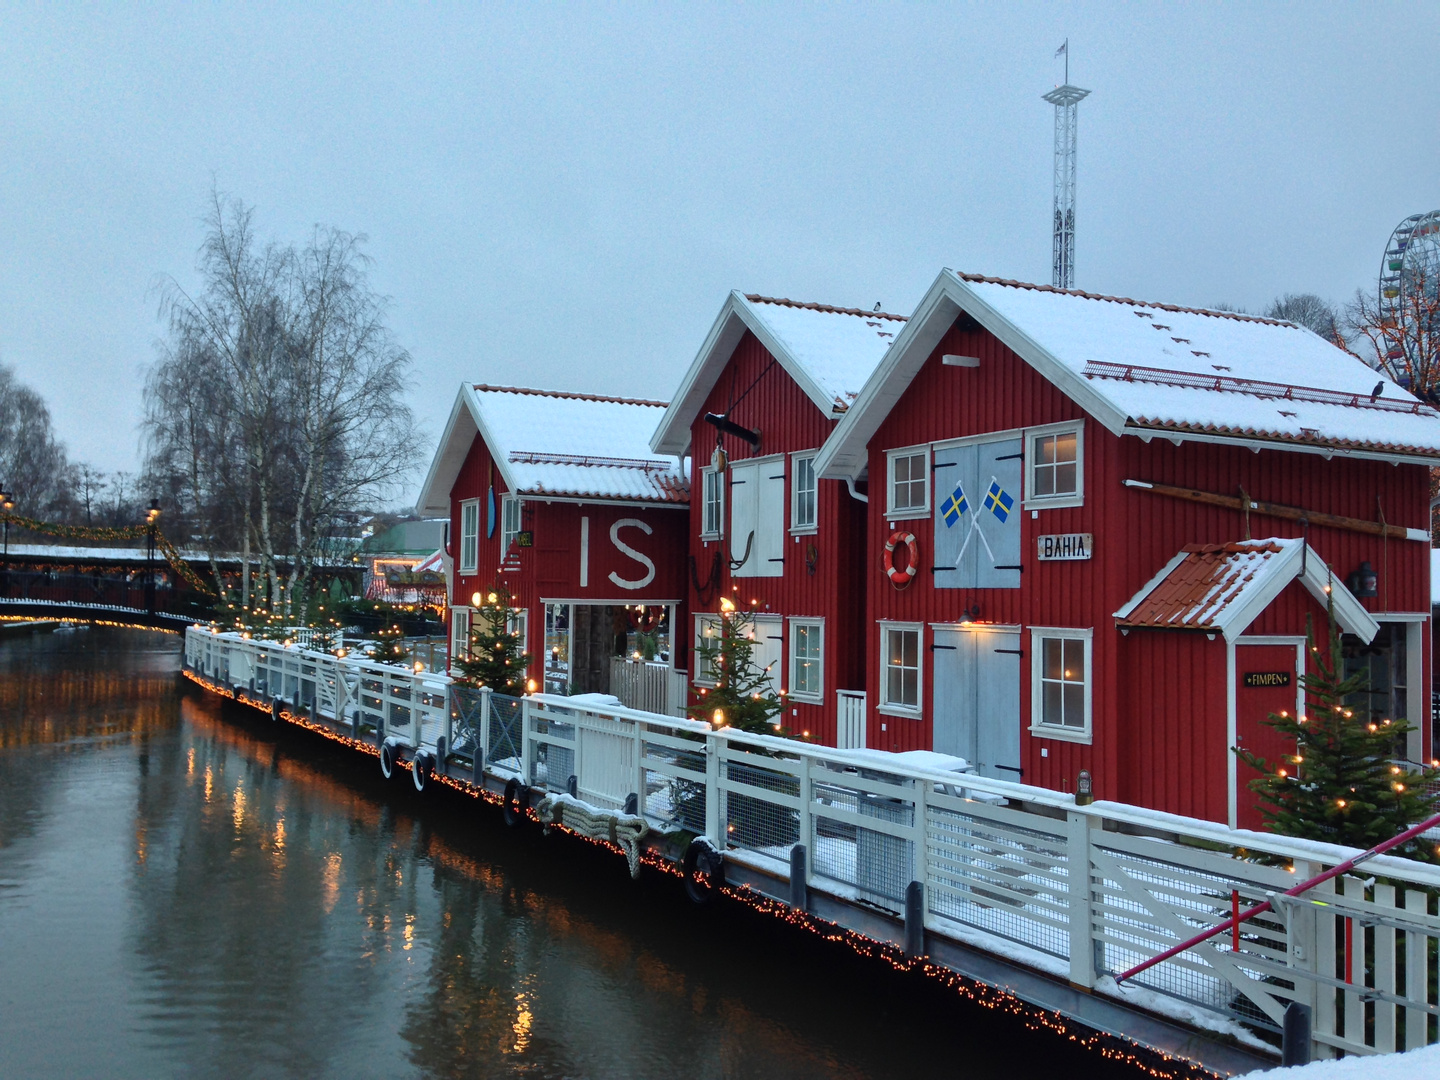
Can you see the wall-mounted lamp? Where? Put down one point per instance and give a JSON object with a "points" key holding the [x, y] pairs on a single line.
{"points": [[1364, 582], [729, 427]]}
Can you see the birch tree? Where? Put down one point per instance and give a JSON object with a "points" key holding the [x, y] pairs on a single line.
{"points": [[276, 406]]}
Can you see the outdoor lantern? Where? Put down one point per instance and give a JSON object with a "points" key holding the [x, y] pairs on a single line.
{"points": [[1084, 790], [1364, 582], [475, 599]]}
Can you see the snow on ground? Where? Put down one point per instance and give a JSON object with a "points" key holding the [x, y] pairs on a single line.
{"points": [[1415, 1065]]}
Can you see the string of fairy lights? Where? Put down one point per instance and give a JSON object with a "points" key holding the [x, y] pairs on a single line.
{"points": [[1114, 1048], [111, 533]]}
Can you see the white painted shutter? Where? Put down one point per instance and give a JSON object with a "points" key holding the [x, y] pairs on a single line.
{"points": [[770, 530], [744, 492]]}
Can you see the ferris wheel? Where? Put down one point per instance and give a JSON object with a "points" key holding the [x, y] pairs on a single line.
{"points": [[1411, 267]]}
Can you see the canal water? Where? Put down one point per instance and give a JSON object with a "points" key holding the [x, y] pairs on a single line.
{"points": [[187, 891]]}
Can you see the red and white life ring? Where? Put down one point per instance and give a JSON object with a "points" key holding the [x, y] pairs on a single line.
{"points": [[901, 578]]}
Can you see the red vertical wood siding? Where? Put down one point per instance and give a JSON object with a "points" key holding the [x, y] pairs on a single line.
{"points": [[550, 570], [1158, 700], [788, 421]]}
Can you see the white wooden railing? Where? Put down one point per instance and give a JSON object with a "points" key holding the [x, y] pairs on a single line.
{"points": [[648, 686], [1081, 891]]}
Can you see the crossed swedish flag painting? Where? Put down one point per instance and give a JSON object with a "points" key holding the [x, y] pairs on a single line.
{"points": [[954, 506], [998, 501]]}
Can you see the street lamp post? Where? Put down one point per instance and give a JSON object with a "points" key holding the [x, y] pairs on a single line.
{"points": [[7, 503], [151, 517]]}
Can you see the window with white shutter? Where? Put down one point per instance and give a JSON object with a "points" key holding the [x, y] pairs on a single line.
{"points": [[757, 517]]}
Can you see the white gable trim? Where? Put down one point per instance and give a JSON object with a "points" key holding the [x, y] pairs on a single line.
{"points": [[737, 315], [845, 452], [465, 423], [1297, 559]]}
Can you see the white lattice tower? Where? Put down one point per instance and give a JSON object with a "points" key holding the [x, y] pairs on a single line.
{"points": [[1065, 99]]}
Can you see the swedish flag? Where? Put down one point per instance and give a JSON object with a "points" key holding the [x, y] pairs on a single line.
{"points": [[998, 501], [954, 506]]}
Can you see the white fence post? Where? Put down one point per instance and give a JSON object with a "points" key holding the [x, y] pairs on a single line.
{"points": [[525, 771], [714, 798], [482, 737], [1083, 945]]}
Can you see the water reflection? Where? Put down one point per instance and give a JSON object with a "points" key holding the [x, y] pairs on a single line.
{"points": [[186, 891]]}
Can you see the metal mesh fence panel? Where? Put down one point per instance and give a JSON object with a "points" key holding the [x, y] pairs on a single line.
{"points": [[1002, 878], [505, 724], [466, 717], [1196, 901], [761, 808]]}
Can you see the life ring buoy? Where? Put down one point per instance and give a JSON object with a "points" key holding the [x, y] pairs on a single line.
{"points": [[901, 578]]}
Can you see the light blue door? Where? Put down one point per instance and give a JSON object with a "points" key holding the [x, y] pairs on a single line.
{"points": [[976, 701]]}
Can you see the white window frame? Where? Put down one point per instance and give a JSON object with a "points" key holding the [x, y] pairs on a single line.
{"points": [[817, 696], [510, 505], [797, 526], [470, 537], [886, 706], [459, 640], [1069, 498], [518, 622], [712, 496], [1038, 727], [764, 560], [921, 510], [702, 676]]}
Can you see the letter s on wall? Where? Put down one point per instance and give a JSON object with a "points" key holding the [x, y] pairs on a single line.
{"points": [[626, 549]]}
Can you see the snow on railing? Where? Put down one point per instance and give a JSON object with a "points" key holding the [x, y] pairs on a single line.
{"points": [[1082, 892]]}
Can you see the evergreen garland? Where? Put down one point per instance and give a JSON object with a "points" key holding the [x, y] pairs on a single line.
{"points": [[1342, 784]]}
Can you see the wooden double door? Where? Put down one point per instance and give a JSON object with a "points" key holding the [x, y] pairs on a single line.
{"points": [[976, 699]]}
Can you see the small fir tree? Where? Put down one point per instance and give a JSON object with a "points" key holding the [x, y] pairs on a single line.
{"points": [[390, 647], [1342, 784], [497, 657], [743, 696]]}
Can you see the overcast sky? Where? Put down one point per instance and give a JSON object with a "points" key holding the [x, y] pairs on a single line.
{"points": [[562, 196]]}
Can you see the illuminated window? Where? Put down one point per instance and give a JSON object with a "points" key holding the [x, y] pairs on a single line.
{"points": [[900, 666], [807, 659], [1060, 683], [707, 636], [1055, 467]]}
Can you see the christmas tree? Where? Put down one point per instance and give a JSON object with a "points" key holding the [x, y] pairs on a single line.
{"points": [[496, 657], [390, 647], [1342, 784], [743, 696]]}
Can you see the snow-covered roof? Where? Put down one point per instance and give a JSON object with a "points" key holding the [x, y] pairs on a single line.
{"points": [[560, 445], [1149, 368], [1222, 588], [829, 351]]}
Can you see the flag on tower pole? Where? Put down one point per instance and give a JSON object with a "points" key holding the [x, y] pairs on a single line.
{"points": [[1062, 50]]}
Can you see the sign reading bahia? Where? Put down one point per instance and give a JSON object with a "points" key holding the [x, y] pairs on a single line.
{"points": [[1065, 547]]}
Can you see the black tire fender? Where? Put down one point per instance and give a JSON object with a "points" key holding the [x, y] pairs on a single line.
{"points": [[422, 766], [703, 871], [389, 760], [517, 801]]}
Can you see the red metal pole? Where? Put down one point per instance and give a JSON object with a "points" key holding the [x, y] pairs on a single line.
{"points": [[1349, 950], [1235, 920]]}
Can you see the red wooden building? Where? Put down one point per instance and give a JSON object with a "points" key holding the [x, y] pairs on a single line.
{"points": [[558, 498], [1122, 514], [762, 396]]}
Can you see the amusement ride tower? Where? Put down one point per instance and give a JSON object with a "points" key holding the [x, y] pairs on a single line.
{"points": [[1065, 99]]}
